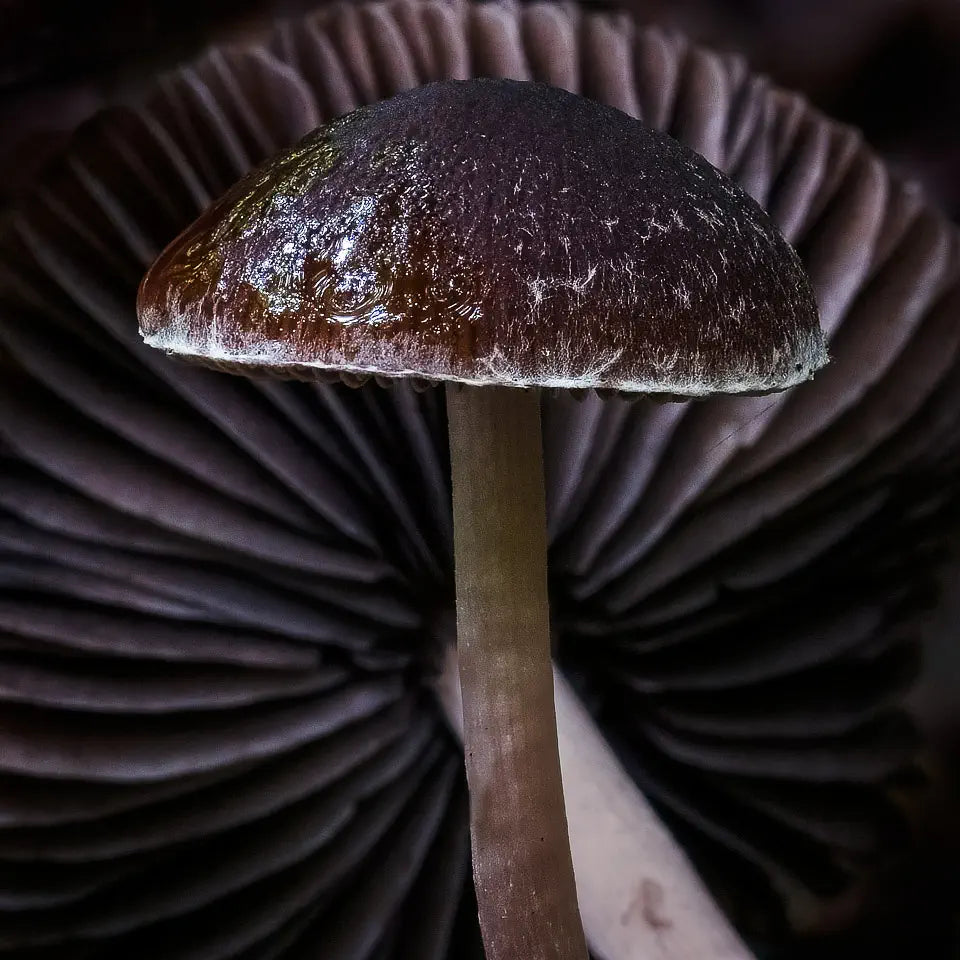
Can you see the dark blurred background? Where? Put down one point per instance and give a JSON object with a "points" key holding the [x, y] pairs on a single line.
{"points": [[890, 67]]}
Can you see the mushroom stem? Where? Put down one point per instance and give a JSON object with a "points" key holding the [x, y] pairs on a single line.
{"points": [[639, 895], [522, 866]]}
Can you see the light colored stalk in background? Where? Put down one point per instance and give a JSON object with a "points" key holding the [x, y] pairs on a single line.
{"points": [[640, 898]]}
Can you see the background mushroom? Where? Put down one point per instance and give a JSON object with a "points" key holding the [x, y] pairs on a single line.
{"points": [[886, 66], [142, 541]]}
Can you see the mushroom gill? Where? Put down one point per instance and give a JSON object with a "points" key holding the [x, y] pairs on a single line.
{"points": [[223, 603]]}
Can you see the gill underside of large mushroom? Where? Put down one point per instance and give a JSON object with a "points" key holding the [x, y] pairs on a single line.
{"points": [[225, 606]]}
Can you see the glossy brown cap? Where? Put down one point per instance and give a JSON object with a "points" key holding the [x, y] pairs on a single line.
{"points": [[490, 231]]}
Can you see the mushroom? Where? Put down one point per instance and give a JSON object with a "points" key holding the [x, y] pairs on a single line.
{"points": [[215, 541], [501, 237]]}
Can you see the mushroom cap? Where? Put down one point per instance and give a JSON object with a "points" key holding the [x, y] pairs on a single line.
{"points": [[490, 232]]}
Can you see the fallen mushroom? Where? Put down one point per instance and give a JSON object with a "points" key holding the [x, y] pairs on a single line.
{"points": [[501, 237], [129, 482]]}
